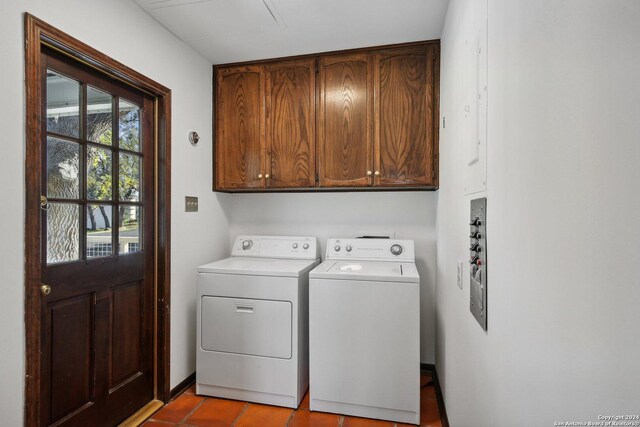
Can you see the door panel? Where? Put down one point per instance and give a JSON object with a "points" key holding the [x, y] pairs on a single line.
{"points": [[97, 245], [240, 137], [126, 332], [404, 116], [71, 329], [290, 100], [345, 120]]}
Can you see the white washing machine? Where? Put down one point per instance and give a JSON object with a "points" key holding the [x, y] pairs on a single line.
{"points": [[364, 330], [252, 328]]}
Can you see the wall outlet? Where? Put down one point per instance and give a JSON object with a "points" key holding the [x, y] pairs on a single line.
{"points": [[460, 273]]}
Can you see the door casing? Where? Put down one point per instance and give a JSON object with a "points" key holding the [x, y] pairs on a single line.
{"points": [[38, 34]]}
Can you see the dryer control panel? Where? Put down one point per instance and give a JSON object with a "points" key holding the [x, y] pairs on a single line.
{"points": [[478, 260], [371, 249], [285, 247]]}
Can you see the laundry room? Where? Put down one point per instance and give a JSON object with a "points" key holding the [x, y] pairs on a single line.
{"points": [[320, 213]]}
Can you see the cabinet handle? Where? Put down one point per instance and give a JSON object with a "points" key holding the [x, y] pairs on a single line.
{"points": [[259, 176], [377, 173], [368, 173], [267, 176]]}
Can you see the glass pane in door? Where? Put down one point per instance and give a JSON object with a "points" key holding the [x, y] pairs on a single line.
{"points": [[63, 232], [129, 125], [63, 105], [130, 226], [99, 226], [99, 116], [99, 173], [63, 169], [130, 175]]}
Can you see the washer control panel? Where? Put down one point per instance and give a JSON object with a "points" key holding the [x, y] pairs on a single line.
{"points": [[478, 260], [286, 247], [371, 249]]}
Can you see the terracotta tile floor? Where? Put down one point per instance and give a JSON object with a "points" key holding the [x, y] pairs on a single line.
{"points": [[188, 409]]}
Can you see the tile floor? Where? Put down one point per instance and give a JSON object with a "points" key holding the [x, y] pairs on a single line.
{"points": [[188, 409]]}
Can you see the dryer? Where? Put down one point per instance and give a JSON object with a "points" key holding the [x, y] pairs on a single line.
{"points": [[252, 321], [364, 326]]}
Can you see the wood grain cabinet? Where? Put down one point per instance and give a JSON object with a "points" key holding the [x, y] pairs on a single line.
{"points": [[345, 144], [291, 130], [362, 119], [240, 128], [406, 116]]}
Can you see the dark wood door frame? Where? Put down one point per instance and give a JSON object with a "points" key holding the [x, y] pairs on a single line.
{"points": [[37, 35]]}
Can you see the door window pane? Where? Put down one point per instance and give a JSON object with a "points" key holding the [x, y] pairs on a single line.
{"points": [[63, 169], [63, 232], [99, 173], [99, 236], [63, 105], [99, 116], [129, 231], [130, 176], [129, 125]]}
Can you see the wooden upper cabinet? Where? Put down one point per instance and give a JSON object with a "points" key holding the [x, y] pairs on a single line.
{"points": [[345, 113], [367, 118], [406, 116], [291, 115], [240, 128]]}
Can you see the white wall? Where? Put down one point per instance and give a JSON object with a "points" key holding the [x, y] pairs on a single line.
{"points": [[147, 47], [563, 235], [410, 215]]}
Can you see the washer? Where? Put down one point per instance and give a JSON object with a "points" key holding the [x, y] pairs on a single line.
{"points": [[364, 330], [252, 321]]}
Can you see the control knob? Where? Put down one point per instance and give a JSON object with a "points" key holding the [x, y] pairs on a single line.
{"points": [[396, 249], [476, 222], [246, 244], [475, 247], [475, 235], [348, 248], [295, 246], [305, 246], [337, 248]]}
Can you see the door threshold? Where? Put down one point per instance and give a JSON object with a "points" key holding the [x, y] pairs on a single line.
{"points": [[142, 414]]}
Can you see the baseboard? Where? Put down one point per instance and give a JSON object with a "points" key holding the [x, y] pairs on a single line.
{"points": [[444, 420], [185, 384]]}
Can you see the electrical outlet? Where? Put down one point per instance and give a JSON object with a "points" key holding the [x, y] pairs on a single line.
{"points": [[460, 273]]}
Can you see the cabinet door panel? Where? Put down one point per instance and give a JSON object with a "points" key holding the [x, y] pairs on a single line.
{"points": [[344, 137], [290, 100], [240, 127], [405, 116]]}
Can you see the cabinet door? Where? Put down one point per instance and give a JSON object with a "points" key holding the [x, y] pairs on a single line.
{"points": [[406, 116], [240, 127], [290, 100], [344, 123]]}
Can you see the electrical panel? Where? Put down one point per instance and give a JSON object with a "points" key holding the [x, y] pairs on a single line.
{"points": [[478, 260]]}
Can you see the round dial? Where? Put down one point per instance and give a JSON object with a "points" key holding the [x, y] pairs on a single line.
{"points": [[348, 248], [295, 246], [246, 244], [337, 248], [305, 246], [396, 249]]}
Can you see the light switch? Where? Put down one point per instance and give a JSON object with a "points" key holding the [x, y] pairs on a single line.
{"points": [[190, 204]]}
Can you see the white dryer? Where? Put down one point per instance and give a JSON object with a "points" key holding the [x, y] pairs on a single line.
{"points": [[252, 327], [364, 330]]}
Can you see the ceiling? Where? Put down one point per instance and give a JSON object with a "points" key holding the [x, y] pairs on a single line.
{"points": [[243, 30]]}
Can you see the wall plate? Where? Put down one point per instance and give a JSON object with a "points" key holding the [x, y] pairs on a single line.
{"points": [[190, 204], [478, 260]]}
